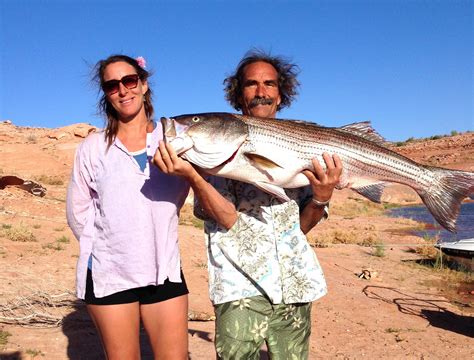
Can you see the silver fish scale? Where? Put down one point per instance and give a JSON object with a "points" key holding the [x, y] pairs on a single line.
{"points": [[359, 156]]}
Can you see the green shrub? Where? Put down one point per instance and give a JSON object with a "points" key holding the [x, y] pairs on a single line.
{"points": [[63, 239], [379, 250], [53, 246]]}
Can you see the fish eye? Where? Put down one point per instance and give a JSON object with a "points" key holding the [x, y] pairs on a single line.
{"points": [[195, 119]]}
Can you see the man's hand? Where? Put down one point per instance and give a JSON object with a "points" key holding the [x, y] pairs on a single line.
{"points": [[323, 182], [170, 163]]}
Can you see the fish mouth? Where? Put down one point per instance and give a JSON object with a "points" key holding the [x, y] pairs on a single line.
{"points": [[169, 130], [175, 134]]}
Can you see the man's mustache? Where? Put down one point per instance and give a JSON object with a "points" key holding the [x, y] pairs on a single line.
{"points": [[260, 101]]}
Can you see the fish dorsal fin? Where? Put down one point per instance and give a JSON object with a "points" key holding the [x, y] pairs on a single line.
{"points": [[373, 192], [261, 162], [364, 129]]}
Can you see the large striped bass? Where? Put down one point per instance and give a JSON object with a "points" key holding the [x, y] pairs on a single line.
{"points": [[271, 153]]}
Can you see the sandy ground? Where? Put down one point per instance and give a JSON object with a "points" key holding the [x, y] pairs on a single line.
{"points": [[404, 311]]}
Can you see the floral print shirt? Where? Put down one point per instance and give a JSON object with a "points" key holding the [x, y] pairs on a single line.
{"points": [[265, 252]]}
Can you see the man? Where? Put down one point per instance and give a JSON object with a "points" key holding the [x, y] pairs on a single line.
{"points": [[263, 275]]}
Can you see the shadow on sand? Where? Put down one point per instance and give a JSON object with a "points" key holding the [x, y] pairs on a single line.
{"points": [[428, 308], [15, 355]]}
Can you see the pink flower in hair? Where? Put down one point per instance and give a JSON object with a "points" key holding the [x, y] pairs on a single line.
{"points": [[141, 61]]}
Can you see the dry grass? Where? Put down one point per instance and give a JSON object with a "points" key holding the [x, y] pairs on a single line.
{"points": [[379, 250], [186, 217], [49, 180], [38, 309], [412, 224], [200, 264], [4, 337], [32, 138], [63, 239], [34, 353], [427, 251], [57, 244], [452, 274], [324, 239], [450, 269], [353, 208], [19, 233], [43, 310], [53, 246]]}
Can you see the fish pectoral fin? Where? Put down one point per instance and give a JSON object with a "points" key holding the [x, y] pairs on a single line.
{"points": [[373, 192], [261, 162], [278, 191]]}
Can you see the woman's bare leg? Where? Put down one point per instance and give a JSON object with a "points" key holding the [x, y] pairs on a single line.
{"points": [[118, 327], [166, 324]]}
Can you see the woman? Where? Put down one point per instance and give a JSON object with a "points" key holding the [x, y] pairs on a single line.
{"points": [[124, 213]]}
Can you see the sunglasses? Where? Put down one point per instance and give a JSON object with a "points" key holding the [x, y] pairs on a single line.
{"points": [[112, 86]]}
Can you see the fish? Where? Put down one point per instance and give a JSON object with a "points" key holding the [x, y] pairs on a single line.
{"points": [[272, 153]]}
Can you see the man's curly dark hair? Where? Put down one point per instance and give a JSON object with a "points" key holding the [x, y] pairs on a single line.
{"points": [[287, 81]]}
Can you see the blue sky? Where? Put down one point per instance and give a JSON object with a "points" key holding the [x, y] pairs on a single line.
{"points": [[405, 65]]}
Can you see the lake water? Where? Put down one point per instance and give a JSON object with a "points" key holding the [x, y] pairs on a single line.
{"points": [[465, 222]]}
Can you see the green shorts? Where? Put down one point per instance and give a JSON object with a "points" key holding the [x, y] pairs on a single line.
{"points": [[243, 325]]}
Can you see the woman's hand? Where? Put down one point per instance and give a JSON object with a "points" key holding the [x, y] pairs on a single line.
{"points": [[170, 163]]}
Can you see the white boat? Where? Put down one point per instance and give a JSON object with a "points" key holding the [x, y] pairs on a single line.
{"points": [[461, 252], [460, 247]]}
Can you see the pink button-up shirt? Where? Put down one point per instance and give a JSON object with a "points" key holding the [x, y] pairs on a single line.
{"points": [[127, 219]]}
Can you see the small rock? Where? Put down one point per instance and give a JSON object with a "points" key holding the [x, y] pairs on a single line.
{"points": [[399, 338], [83, 132], [57, 135]]}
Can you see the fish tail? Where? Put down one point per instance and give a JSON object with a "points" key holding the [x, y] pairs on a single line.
{"points": [[448, 189]]}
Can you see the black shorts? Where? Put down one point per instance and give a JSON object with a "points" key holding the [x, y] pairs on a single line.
{"points": [[144, 295]]}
